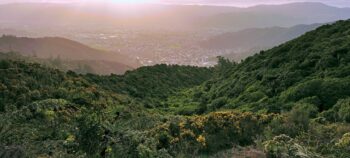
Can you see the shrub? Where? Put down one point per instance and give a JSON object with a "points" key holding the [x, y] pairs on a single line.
{"points": [[293, 122], [344, 110], [283, 146], [218, 103], [309, 109], [344, 142], [212, 132], [89, 135], [339, 112]]}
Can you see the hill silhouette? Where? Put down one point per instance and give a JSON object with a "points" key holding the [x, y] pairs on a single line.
{"points": [[55, 47]]}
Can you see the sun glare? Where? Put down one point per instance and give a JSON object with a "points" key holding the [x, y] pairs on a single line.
{"points": [[117, 1], [131, 1]]}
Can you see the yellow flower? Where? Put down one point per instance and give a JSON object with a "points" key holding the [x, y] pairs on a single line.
{"points": [[182, 125], [70, 138], [188, 134], [109, 149], [344, 141], [49, 114], [175, 140], [201, 139]]}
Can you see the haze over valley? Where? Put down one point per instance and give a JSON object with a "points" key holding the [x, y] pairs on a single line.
{"points": [[172, 34]]}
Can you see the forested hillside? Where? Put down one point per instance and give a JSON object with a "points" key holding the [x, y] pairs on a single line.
{"points": [[314, 67], [154, 84], [290, 101]]}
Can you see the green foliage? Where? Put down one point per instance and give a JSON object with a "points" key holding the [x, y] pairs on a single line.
{"points": [[153, 83], [344, 110], [323, 138], [290, 101], [327, 90], [315, 65], [213, 132], [90, 134], [224, 66], [292, 124], [218, 103], [340, 111], [283, 146], [344, 142]]}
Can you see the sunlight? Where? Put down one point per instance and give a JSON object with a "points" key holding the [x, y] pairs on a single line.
{"points": [[122, 1], [131, 1]]}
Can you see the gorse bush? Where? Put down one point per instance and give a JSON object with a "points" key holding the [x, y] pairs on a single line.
{"points": [[213, 132]]}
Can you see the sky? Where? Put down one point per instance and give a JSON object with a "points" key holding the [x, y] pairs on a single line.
{"points": [[239, 3]]}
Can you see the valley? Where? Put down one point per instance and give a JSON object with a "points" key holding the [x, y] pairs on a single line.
{"points": [[177, 41], [269, 103], [138, 80]]}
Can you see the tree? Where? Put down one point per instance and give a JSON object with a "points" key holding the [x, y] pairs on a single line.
{"points": [[344, 110], [224, 65]]}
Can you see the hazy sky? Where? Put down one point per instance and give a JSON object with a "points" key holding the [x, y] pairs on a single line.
{"points": [[339, 3]]}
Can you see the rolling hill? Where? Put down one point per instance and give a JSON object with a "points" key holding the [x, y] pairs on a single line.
{"points": [[256, 37], [277, 15], [54, 47], [249, 41]]}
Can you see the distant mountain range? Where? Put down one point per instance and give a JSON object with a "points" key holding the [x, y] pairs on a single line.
{"points": [[256, 37], [171, 16], [249, 41], [102, 62], [286, 15]]}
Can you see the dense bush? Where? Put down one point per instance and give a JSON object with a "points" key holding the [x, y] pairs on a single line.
{"points": [[154, 82], [290, 101], [283, 146], [344, 110], [212, 132], [313, 65]]}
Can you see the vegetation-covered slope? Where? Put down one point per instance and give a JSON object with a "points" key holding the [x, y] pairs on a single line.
{"points": [[314, 67], [40, 106], [290, 101], [157, 81], [44, 105]]}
